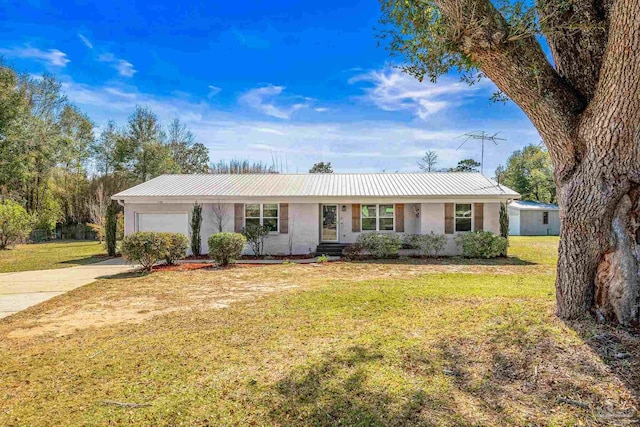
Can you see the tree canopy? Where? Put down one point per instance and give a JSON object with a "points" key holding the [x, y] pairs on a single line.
{"points": [[529, 172], [321, 167], [466, 165]]}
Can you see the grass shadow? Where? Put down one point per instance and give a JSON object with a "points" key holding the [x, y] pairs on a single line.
{"points": [[92, 259], [126, 275], [619, 349], [501, 261]]}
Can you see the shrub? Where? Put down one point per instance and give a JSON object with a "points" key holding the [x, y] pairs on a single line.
{"points": [[110, 228], [15, 223], [353, 252], [380, 245], [226, 247], [504, 224], [322, 259], [481, 244], [428, 244], [145, 248], [255, 235], [196, 223], [177, 244]]}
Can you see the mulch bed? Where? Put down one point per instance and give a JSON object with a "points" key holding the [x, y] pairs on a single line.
{"points": [[253, 257], [184, 267]]}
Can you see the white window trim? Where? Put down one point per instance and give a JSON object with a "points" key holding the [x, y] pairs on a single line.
{"points": [[455, 224], [377, 205], [244, 219]]}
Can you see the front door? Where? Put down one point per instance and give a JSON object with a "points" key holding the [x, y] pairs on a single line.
{"points": [[329, 221]]}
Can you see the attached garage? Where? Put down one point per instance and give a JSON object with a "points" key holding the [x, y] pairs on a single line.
{"points": [[165, 222]]}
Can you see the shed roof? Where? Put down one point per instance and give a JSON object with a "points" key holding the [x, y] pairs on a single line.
{"points": [[320, 185], [532, 205]]}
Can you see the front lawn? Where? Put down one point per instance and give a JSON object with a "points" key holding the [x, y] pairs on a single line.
{"points": [[404, 342], [50, 255]]}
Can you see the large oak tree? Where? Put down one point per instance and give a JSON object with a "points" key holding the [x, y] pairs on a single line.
{"points": [[584, 101]]}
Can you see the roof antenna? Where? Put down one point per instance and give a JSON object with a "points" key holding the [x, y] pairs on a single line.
{"points": [[482, 136]]}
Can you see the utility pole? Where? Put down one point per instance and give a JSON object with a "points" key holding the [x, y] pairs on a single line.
{"points": [[482, 136]]}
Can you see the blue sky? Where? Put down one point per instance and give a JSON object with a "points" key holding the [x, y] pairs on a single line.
{"points": [[302, 81]]}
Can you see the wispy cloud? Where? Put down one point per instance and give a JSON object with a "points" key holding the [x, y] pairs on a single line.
{"points": [[393, 90], [124, 68], [351, 145], [86, 41], [213, 91], [262, 99], [53, 57]]}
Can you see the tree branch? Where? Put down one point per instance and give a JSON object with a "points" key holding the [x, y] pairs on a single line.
{"points": [[577, 36], [521, 70]]}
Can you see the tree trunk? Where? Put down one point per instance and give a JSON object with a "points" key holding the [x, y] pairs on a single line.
{"points": [[599, 255]]}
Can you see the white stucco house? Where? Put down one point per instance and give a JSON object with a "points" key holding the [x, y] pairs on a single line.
{"points": [[531, 218], [305, 211]]}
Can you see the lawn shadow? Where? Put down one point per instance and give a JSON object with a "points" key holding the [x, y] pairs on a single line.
{"points": [[454, 260], [126, 275], [455, 381], [619, 349], [92, 259], [336, 391]]}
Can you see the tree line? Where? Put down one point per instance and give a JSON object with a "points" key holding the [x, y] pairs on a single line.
{"points": [[528, 171], [57, 164]]}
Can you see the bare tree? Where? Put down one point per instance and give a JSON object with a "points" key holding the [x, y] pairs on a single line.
{"points": [[220, 216], [97, 207], [428, 162]]}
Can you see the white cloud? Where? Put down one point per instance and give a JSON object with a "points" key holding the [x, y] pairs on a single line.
{"points": [[262, 99], [53, 57], [393, 90], [124, 68], [86, 41], [321, 109]]}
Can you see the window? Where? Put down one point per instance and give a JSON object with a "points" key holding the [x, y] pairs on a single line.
{"points": [[262, 214], [377, 218], [545, 218], [463, 216]]}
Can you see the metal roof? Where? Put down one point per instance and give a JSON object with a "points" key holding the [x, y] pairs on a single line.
{"points": [[320, 185], [531, 205]]}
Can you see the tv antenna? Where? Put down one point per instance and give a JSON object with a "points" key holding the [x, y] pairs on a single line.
{"points": [[483, 137]]}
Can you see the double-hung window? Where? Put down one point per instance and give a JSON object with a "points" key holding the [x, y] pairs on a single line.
{"points": [[265, 214], [463, 217], [545, 218], [377, 217]]}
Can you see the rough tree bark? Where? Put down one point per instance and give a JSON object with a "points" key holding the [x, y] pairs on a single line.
{"points": [[587, 110]]}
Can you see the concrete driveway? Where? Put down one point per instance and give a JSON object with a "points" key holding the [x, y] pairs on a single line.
{"points": [[27, 288]]}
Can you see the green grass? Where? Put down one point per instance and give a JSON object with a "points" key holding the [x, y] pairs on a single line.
{"points": [[362, 344], [50, 255]]}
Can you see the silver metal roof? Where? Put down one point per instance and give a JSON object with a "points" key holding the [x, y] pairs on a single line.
{"points": [[320, 185], [532, 205]]}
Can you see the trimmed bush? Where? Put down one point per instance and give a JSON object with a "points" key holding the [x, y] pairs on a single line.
{"points": [[111, 229], [255, 235], [144, 248], [381, 245], [353, 252], [177, 244], [15, 223], [481, 244], [196, 225], [428, 244], [226, 247]]}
